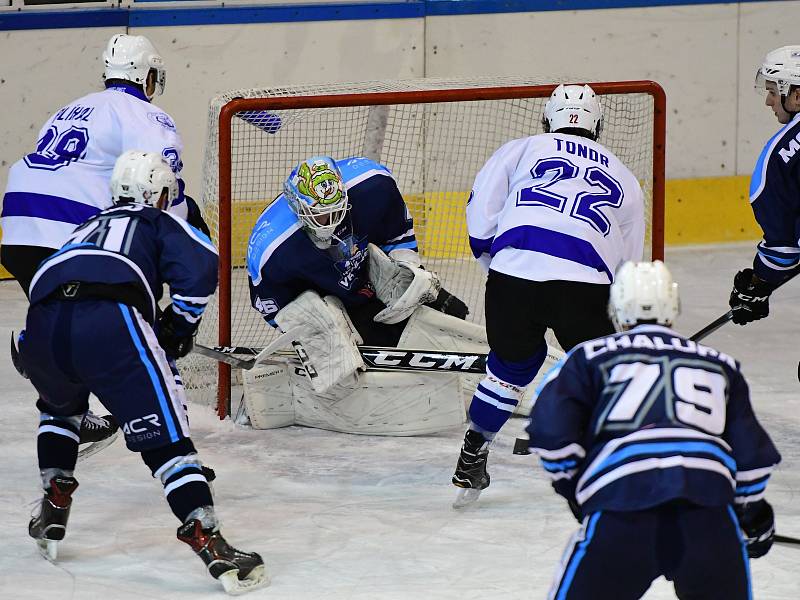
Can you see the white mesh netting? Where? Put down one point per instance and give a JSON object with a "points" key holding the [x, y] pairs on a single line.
{"points": [[434, 150]]}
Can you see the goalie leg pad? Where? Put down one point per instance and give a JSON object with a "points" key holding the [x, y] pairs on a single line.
{"points": [[430, 329], [268, 396], [329, 339], [398, 404], [401, 286]]}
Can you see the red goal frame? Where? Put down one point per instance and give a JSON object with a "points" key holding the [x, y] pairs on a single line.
{"points": [[229, 110]]}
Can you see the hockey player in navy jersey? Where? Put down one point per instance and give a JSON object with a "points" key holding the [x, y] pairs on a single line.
{"points": [[93, 327], [551, 218], [652, 440], [774, 191], [336, 255], [65, 180]]}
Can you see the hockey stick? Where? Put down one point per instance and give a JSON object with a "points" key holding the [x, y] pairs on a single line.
{"points": [[720, 321], [223, 354], [786, 540], [712, 327]]}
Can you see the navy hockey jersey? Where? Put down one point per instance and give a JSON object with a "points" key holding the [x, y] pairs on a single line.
{"points": [[140, 246], [283, 262], [775, 199], [639, 418]]}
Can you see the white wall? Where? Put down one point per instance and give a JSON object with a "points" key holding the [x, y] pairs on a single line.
{"points": [[705, 57]]}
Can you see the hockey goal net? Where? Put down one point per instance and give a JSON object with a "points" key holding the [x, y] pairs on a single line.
{"points": [[433, 134]]}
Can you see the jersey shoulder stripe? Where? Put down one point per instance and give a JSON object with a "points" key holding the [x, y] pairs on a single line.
{"points": [[197, 235], [359, 168], [275, 225], [759, 178]]}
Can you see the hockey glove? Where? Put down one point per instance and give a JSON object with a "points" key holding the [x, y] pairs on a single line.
{"points": [[449, 304], [194, 215], [749, 299], [758, 526], [174, 334]]}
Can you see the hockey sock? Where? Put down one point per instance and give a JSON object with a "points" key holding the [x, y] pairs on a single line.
{"points": [[57, 445], [487, 435], [498, 394], [181, 472]]}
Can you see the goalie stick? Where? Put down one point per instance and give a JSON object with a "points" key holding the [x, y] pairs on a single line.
{"points": [[224, 353], [376, 358], [379, 358]]}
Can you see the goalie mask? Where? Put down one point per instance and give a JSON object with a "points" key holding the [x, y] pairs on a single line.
{"points": [[316, 193], [132, 58], [573, 107], [782, 67], [142, 178], [643, 291]]}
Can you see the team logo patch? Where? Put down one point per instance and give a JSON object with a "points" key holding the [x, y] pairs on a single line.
{"points": [[162, 119]]}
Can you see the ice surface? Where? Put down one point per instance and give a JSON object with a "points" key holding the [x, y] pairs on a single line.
{"points": [[349, 517]]}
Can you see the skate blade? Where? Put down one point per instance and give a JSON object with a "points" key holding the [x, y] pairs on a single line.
{"points": [[257, 578], [95, 447], [48, 549], [466, 497]]}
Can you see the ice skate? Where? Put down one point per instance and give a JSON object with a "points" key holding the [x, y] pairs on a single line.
{"points": [[239, 572], [50, 524], [96, 433], [471, 475]]}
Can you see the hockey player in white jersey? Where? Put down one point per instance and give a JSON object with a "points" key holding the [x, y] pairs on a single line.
{"points": [[551, 217], [65, 180]]}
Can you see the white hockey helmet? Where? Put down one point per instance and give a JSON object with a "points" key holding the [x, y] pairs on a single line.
{"points": [[575, 107], [643, 291], [141, 178], [781, 66], [316, 193], [131, 58]]}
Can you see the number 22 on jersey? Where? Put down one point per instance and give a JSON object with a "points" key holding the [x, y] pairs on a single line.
{"points": [[601, 190]]}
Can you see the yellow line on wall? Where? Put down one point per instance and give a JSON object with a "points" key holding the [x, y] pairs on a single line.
{"points": [[709, 210]]}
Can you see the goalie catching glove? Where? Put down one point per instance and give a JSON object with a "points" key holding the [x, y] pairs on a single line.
{"points": [[400, 285]]}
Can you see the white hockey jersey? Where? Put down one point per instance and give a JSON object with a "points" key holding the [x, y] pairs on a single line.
{"points": [[556, 207], [66, 180]]}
